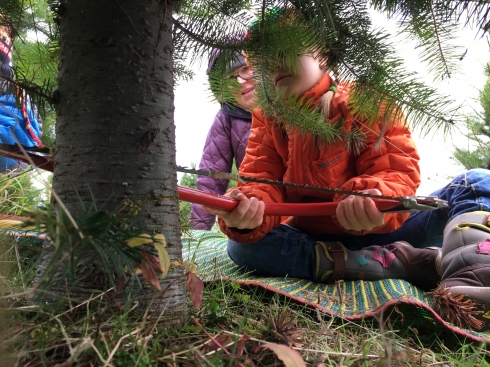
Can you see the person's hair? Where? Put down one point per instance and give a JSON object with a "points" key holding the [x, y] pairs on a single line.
{"points": [[327, 98]]}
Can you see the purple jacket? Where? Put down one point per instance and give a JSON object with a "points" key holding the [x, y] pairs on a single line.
{"points": [[227, 139]]}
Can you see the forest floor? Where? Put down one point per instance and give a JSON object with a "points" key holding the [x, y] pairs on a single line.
{"points": [[235, 326]]}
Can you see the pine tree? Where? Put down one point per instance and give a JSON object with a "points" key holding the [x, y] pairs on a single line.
{"points": [[115, 135]]}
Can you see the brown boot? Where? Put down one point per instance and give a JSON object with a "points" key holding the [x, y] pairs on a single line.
{"points": [[398, 260], [463, 297]]}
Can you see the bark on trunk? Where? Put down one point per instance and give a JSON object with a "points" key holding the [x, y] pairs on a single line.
{"points": [[115, 135]]}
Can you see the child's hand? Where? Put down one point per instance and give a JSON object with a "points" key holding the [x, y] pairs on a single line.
{"points": [[248, 214], [360, 213]]}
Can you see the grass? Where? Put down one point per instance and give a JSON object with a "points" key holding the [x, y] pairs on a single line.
{"points": [[235, 326], [19, 194], [228, 330]]}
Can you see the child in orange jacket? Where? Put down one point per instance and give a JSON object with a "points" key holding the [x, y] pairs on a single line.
{"points": [[359, 242]]}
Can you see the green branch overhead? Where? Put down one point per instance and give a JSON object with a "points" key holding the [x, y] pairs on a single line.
{"points": [[356, 50]]}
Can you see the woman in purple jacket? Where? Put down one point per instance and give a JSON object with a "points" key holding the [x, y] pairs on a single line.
{"points": [[228, 136]]}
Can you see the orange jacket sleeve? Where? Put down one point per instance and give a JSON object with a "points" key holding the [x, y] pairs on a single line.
{"points": [[391, 167], [261, 160]]}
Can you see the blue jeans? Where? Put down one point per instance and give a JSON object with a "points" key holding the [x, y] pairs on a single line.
{"points": [[287, 251]]}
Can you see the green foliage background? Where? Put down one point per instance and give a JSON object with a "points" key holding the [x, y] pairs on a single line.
{"points": [[477, 154]]}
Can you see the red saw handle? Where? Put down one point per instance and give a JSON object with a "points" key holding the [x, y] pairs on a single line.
{"points": [[223, 202], [296, 209]]}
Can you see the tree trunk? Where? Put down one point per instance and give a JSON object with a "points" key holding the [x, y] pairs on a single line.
{"points": [[115, 135]]}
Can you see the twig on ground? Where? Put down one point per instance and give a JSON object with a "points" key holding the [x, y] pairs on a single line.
{"points": [[210, 336], [116, 347]]}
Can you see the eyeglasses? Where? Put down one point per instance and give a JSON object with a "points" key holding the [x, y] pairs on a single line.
{"points": [[244, 73]]}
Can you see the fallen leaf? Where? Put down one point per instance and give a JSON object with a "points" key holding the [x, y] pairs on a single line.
{"points": [[289, 356], [150, 269], [241, 345], [195, 287]]}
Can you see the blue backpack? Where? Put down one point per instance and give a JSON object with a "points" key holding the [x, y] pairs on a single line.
{"points": [[19, 121]]}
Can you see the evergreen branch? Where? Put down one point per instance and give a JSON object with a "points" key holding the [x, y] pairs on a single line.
{"points": [[228, 12], [431, 25], [385, 75], [414, 105], [439, 40], [104, 243], [361, 57], [202, 27], [301, 114], [476, 11], [28, 87], [197, 38]]}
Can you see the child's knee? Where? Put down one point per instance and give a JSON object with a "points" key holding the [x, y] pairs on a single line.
{"points": [[238, 253], [471, 177]]}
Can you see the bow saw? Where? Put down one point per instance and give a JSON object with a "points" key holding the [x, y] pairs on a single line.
{"points": [[387, 204]]}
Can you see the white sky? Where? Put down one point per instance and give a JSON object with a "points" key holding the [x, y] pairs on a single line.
{"points": [[195, 111]]}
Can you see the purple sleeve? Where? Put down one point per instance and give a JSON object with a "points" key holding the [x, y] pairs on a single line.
{"points": [[217, 156]]}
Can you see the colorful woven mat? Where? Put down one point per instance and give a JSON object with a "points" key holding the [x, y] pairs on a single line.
{"points": [[14, 226], [352, 300]]}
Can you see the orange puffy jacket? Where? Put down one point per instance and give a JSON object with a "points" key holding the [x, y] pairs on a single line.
{"points": [[276, 154]]}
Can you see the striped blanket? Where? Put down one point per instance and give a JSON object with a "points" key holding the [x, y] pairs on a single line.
{"points": [[352, 300]]}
